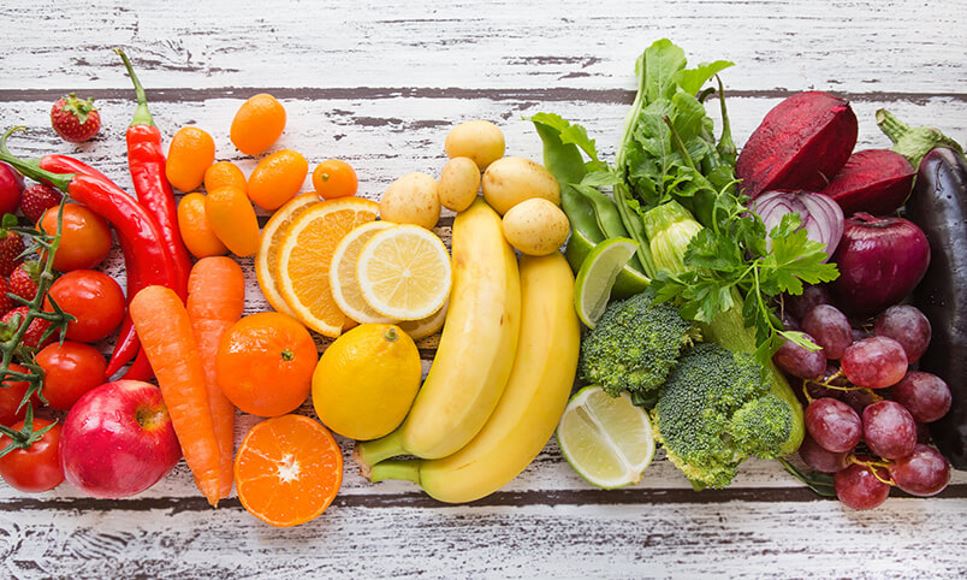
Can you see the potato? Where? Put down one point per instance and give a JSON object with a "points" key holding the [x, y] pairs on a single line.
{"points": [[411, 199], [536, 227], [459, 182], [511, 180], [481, 141]]}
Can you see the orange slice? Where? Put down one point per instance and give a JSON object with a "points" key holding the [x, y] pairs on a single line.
{"points": [[305, 256], [288, 470], [267, 258]]}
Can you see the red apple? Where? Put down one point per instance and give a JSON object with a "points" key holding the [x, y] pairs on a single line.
{"points": [[118, 440]]}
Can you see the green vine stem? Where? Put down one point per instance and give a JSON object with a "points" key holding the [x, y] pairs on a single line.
{"points": [[12, 349]]}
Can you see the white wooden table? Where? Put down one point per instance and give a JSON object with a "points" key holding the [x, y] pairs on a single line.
{"points": [[378, 84]]}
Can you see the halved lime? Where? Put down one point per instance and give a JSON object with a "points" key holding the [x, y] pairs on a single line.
{"points": [[629, 281], [597, 276], [607, 440]]}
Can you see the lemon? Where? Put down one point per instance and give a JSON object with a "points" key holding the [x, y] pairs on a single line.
{"points": [[346, 290], [607, 440], [366, 381], [404, 273]]}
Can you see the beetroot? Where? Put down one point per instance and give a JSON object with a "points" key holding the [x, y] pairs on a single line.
{"points": [[801, 144], [876, 181]]}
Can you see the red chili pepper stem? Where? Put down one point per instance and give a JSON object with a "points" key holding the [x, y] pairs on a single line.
{"points": [[31, 167], [142, 116]]}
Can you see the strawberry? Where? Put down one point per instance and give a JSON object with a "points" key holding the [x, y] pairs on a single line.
{"points": [[11, 246], [6, 303], [37, 199], [75, 120], [12, 320], [23, 280]]}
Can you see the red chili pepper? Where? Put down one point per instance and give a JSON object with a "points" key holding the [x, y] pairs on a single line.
{"points": [[146, 161], [146, 258]]}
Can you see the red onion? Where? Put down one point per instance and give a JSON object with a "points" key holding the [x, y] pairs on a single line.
{"points": [[881, 260], [820, 215]]}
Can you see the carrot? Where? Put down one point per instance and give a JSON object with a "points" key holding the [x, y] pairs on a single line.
{"points": [[164, 329], [216, 297]]}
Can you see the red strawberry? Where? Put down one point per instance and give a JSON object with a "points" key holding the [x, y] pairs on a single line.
{"points": [[12, 321], [11, 246], [6, 303], [75, 120], [37, 199], [23, 280]]}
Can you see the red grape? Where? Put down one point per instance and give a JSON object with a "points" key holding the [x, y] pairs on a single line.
{"points": [[811, 297], [875, 363], [820, 459], [926, 396], [833, 425], [858, 488], [829, 328], [906, 325], [889, 429], [800, 362], [859, 399], [923, 473]]}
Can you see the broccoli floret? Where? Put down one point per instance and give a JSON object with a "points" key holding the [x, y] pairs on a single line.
{"points": [[633, 346], [717, 410]]}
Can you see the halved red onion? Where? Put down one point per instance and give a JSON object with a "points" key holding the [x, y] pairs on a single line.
{"points": [[820, 215]]}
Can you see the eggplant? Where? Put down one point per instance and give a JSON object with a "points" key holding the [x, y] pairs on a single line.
{"points": [[939, 206]]}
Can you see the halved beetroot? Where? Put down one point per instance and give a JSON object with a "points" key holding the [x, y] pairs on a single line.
{"points": [[801, 144], [876, 181]]}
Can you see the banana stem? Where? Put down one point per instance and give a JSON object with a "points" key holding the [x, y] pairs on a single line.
{"points": [[396, 469], [370, 453]]}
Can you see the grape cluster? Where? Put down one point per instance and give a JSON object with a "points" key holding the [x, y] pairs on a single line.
{"points": [[866, 408]]}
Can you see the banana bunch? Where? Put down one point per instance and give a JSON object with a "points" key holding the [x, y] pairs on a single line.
{"points": [[502, 374]]}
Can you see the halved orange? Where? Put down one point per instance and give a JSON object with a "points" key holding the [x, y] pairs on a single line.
{"points": [[288, 470], [305, 255], [267, 258]]}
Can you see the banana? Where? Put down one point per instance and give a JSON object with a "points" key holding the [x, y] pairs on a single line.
{"points": [[476, 349], [535, 397]]}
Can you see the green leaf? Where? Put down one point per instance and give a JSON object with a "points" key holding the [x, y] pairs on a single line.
{"points": [[563, 160], [660, 64], [692, 80], [601, 178]]}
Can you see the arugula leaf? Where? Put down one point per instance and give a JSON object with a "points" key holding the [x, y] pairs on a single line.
{"points": [[691, 81], [659, 66]]}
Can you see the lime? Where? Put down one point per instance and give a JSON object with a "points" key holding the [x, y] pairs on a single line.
{"points": [[597, 275], [607, 440], [629, 281]]}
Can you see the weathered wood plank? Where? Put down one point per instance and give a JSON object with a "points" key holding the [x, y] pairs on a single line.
{"points": [[853, 45], [905, 538], [383, 139]]}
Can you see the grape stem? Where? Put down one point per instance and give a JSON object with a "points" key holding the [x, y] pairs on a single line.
{"points": [[873, 466]]}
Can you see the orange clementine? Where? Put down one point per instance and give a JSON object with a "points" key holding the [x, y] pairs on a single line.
{"points": [[267, 258], [257, 124], [196, 231], [233, 220], [334, 178], [225, 174], [192, 151], [277, 178], [265, 362], [288, 470]]}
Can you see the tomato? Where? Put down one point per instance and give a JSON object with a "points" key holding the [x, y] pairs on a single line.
{"points": [[93, 298], [85, 240], [334, 178], [11, 394], [36, 468], [70, 370]]}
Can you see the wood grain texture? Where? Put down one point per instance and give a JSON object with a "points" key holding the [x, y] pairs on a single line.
{"points": [[850, 45], [379, 84]]}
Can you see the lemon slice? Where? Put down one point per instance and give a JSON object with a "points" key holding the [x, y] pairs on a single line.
{"points": [[342, 274], [420, 329], [305, 254], [267, 257], [607, 440], [404, 273]]}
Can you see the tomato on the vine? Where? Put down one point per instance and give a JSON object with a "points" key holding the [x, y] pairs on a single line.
{"points": [[11, 394], [334, 178], [93, 298], [85, 238], [36, 468], [70, 370]]}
